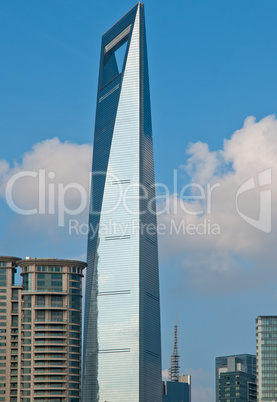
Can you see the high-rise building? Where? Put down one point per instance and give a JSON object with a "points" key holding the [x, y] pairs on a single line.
{"points": [[10, 325], [41, 334], [178, 388], [122, 347], [236, 378], [266, 346]]}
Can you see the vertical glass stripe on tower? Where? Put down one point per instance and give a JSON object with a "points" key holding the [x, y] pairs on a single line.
{"points": [[122, 347]]}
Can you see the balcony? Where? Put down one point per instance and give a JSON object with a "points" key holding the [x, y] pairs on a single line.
{"points": [[49, 306], [50, 393], [49, 378], [52, 320], [50, 363], [48, 290], [48, 337], [52, 371], [52, 385], [14, 358], [47, 356], [55, 325]]}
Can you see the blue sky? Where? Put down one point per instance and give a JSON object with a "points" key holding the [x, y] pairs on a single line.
{"points": [[212, 64]]}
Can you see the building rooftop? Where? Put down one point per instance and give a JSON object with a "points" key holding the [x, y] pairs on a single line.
{"points": [[51, 261]]}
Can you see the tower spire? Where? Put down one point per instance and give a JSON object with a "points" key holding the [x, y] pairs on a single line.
{"points": [[174, 359]]}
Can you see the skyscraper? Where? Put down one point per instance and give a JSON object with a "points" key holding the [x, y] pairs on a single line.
{"points": [[266, 346], [122, 347], [236, 378]]}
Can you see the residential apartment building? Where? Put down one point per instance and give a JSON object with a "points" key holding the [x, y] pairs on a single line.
{"points": [[42, 330]]}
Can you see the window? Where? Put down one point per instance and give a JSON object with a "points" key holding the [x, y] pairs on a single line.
{"points": [[75, 291], [40, 315], [74, 371], [3, 281], [75, 302], [74, 284], [74, 349], [56, 301], [75, 317], [74, 335], [56, 315], [27, 316], [26, 355], [51, 282], [27, 281], [27, 301], [74, 328], [74, 342], [74, 277], [40, 300], [15, 294]]}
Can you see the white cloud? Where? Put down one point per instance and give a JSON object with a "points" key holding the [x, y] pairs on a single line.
{"points": [[4, 167], [222, 261], [202, 164], [212, 261], [51, 174]]}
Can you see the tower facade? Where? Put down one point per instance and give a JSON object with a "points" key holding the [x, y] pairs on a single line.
{"points": [[122, 347]]}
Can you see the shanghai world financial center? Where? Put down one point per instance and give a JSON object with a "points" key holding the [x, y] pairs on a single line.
{"points": [[122, 345]]}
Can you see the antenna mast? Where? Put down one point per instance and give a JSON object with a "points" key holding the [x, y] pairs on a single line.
{"points": [[174, 359]]}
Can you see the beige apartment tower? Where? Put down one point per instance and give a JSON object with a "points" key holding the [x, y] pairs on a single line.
{"points": [[40, 330]]}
